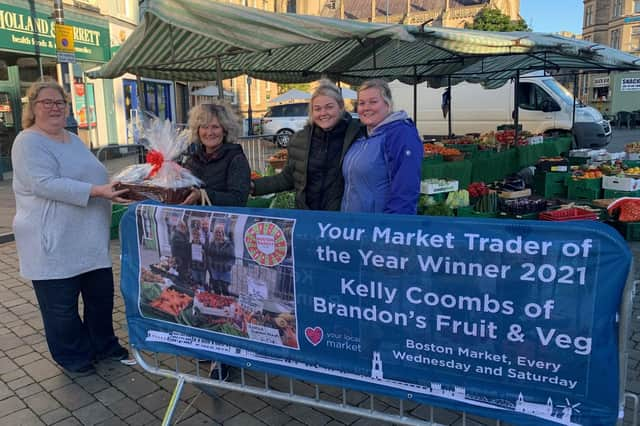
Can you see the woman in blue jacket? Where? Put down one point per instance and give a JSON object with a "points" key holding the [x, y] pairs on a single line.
{"points": [[382, 169]]}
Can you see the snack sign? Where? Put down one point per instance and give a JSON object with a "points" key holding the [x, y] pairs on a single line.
{"points": [[503, 318]]}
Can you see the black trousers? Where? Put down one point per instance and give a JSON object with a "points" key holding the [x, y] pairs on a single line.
{"points": [[73, 341]]}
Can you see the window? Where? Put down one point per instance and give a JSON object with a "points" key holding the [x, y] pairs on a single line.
{"points": [[126, 8], [588, 16], [291, 6], [531, 97], [636, 6], [617, 8], [635, 30], [615, 39]]}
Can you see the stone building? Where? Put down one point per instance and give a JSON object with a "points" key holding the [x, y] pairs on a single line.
{"points": [[615, 23]]}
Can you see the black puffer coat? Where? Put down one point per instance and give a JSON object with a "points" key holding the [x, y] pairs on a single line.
{"points": [[226, 174], [294, 174]]}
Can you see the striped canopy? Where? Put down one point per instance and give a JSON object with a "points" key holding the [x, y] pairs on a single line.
{"points": [[193, 40]]}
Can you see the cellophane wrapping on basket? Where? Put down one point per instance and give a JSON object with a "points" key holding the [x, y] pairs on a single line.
{"points": [[161, 178]]}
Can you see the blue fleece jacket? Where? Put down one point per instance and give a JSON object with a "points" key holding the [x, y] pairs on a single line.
{"points": [[382, 170]]}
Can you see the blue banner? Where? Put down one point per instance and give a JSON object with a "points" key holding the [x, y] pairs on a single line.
{"points": [[514, 320]]}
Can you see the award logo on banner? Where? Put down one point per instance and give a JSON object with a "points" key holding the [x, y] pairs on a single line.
{"points": [[65, 49]]}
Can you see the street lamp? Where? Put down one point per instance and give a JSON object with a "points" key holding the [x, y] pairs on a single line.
{"points": [[249, 111]]}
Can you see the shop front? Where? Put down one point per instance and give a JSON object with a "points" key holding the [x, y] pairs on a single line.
{"points": [[27, 53]]}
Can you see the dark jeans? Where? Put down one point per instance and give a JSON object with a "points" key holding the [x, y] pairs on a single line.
{"points": [[75, 342]]}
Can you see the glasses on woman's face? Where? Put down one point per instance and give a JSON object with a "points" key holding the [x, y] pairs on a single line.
{"points": [[49, 103]]}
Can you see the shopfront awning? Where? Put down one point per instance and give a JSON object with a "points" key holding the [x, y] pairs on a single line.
{"points": [[192, 40]]}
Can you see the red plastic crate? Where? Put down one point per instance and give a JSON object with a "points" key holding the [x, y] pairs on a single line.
{"points": [[568, 214]]}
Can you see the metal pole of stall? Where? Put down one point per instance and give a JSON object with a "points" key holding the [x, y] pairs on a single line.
{"points": [[219, 78], [450, 109], [516, 106], [249, 111], [573, 112], [415, 95]]}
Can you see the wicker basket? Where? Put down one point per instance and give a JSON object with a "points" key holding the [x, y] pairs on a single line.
{"points": [[149, 192]]}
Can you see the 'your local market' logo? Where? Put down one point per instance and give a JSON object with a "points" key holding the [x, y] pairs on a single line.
{"points": [[266, 243]]}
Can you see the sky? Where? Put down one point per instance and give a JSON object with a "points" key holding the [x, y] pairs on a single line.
{"points": [[551, 16]]}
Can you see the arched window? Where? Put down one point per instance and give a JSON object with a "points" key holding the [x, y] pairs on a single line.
{"points": [[291, 6]]}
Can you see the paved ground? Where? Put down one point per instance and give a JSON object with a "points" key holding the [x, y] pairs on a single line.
{"points": [[34, 391]]}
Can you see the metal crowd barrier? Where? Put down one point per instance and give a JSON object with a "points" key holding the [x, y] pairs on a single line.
{"points": [[356, 403], [259, 384], [258, 149]]}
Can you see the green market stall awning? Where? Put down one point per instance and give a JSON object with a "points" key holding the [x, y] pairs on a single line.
{"points": [[195, 40]]}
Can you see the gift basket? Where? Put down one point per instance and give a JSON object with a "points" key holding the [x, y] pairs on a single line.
{"points": [[161, 178]]}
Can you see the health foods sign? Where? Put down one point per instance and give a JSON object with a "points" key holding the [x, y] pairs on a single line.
{"points": [[507, 319], [22, 31]]}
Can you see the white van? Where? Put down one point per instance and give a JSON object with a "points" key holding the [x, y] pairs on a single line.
{"points": [[545, 107]]}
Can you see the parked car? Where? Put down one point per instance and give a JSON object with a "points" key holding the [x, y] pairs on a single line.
{"points": [[284, 120]]}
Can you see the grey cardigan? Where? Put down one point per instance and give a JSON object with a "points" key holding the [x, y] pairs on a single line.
{"points": [[60, 231]]}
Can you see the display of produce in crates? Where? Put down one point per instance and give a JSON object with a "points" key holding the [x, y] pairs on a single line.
{"points": [[523, 206], [457, 199], [487, 203], [587, 173], [477, 189], [279, 159], [436, 148]]}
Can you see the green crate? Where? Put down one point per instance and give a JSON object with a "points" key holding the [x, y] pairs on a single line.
{"points": [[463, 147], [629, 230], [584, 189], [470, 212], [432, 159], [578, 161], [631, 163], [587, 194], [612, 193], [117, 210], [260, 202], [550, 184]]}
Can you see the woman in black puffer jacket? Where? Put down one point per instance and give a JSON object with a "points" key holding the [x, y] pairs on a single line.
{"points": [[315, 154]]}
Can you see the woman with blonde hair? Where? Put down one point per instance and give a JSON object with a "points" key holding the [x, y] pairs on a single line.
{"points": [[382, 169], [218, 161], [316, 153], [61, 227]]}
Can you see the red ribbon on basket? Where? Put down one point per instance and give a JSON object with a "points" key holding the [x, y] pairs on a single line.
{"points": [[155, 158]]}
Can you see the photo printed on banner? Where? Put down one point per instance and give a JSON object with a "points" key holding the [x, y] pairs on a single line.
{"points": [[221, 272]]}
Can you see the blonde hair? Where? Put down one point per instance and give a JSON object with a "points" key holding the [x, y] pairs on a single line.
{"points": [[202, 115], [28, 116], [326, 88], [383, 88]]}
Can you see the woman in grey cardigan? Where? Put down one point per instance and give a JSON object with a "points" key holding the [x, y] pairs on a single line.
{"points": [[61, 227]]}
